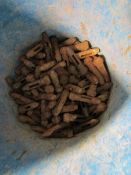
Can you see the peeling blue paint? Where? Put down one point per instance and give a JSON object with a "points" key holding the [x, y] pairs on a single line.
{"points": [[103, 150]]}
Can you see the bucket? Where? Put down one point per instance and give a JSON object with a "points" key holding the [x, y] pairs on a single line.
{"points": [[103, 150]]}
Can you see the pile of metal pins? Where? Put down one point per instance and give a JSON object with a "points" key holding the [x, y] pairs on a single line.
{"points": [[61, 87]]}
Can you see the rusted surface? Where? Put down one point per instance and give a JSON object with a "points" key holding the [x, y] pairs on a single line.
{"points": [[64, 86]]}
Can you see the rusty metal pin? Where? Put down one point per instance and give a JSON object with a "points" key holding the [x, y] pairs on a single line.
{"points": [[69, 41], [20, 98], [81, 46], [44, 67], [55, 81], [89, 52], [64, 55], [77, 62], [57, 110], [43, 81], [99, 63], [34, 51], [40, 55], [56, 50], [27, 62], [26, 119], [88, 62], [76, 97], [49, 89], [91, 90], [28, 107], [69, 108], [48, 97], [68, 117], [75, 89]]}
